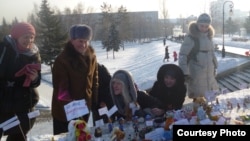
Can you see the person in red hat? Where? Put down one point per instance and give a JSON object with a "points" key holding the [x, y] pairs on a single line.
{"points": [[20, 74]]}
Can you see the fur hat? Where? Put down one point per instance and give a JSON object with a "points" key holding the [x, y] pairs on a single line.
{"points": [[22, 28], [80, 31], [204, 18]]}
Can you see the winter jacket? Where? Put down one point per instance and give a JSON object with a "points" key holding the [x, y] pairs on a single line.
{"points": [[14, 97], [74, 77], [201, 71], [104, 78], [17, 99], [171, 98]]}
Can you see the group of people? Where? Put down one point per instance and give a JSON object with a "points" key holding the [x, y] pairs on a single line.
{"points": [[76, 75]]}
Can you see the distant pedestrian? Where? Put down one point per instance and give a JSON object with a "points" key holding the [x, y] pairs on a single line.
{"points": [[175, 56], [166, 54], [164, 41], [247, 53]]}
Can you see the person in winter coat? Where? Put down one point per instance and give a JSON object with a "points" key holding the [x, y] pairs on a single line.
{"points": [[175, 55], [200, 69], [104, 97], [169, 88], [74, 77], [129, 100], [166, 54], [20, 75]]}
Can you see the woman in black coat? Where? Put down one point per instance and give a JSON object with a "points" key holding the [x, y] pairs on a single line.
{"points": [[20, 75], [169, 88]]}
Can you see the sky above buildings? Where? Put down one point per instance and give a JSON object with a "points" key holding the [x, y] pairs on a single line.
{"points": [[9, 9]]}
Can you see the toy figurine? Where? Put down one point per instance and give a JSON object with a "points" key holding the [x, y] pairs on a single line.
{"points": [[121, 122], [98, 132], [110, 125], [117, 135]]}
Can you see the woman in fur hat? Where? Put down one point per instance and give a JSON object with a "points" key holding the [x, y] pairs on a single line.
{"points": [[169, 88], [200, 68], [128, 98], [20, 74]]}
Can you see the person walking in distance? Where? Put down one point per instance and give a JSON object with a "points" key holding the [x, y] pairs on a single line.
{"points": [[175, 55], [166, 54]]}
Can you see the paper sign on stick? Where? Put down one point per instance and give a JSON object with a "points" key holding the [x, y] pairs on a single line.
{"points": [[33, 114], [13, 124], [103, 111], [112, 111], [76, 109], [8, 121]]}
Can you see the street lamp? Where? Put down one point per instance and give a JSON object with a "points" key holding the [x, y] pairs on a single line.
{"points": [[223, 26]]}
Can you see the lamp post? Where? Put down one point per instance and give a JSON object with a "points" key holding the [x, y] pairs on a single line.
{"points": [[223, 26]]}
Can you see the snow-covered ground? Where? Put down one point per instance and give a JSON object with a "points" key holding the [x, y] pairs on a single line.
{"points": [[142, 60]]}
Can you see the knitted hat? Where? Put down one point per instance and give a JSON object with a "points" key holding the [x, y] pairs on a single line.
{"points": [[80, 31], [204, 18], [22, 28]]}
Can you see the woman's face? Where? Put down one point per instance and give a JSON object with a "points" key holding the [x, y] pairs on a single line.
{"points": [[117, 86], [203, 27], [80, 45], [169, 81], [25, 41]]}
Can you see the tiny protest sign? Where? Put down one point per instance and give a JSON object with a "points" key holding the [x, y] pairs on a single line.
{"points": [[76, 109]]}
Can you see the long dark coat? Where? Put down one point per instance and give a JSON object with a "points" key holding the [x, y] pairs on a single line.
{"points": [[75, 76], [15, 99]]}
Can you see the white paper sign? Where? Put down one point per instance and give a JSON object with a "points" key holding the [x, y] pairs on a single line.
{"points": [[112, 111], [8, 121], [99, 123], [13, 124], [103, 111], [149, 123], [33, 114], [76, 109]]}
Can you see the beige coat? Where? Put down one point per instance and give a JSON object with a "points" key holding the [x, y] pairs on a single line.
{"points": [[201, 72]]}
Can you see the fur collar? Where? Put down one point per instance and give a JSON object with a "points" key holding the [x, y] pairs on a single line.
{"points": [[193, 30]]}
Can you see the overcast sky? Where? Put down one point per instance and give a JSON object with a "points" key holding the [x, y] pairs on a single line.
{"points": [[9, 9]]}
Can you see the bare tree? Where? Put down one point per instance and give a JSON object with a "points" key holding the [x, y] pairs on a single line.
{"points": [[164, 13]]}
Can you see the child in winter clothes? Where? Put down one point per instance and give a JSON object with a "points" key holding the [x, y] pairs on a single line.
{"points": [[20, 75]]}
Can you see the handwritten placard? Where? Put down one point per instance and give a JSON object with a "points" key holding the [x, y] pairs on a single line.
{"points": [[76, 109], [103, 110], [112, 111]]}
